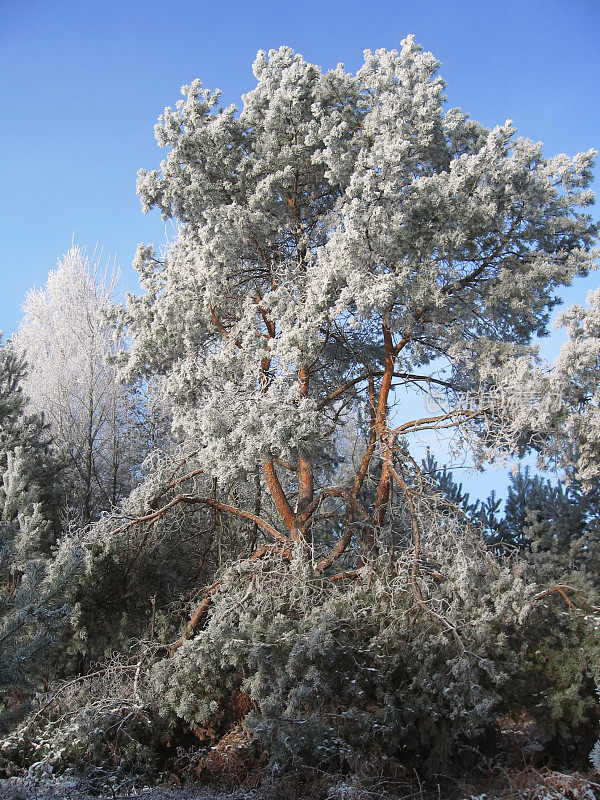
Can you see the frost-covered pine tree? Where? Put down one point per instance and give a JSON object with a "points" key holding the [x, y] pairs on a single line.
{"points": [[342, 238], [67, 337], [568, 425], [32, 609]]}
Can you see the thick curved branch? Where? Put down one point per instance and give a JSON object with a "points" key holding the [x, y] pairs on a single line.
{"points": [[335, 552], [279, 498], [192, 499]]}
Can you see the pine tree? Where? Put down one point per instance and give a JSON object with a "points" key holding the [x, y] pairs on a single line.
{"points": [[342, 239], [33, 611]]}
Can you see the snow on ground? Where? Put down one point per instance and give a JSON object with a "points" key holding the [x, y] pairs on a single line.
{"points": [[31, 789]]}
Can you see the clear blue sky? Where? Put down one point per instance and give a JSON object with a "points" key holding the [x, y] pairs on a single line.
{"points": [[83, 83]]}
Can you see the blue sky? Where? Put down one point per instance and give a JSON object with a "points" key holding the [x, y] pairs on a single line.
{"points": [[83, 84]]}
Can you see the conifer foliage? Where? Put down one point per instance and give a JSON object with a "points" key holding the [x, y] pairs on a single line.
{"points": [[342, 238], [283, 585], [32, 610]]}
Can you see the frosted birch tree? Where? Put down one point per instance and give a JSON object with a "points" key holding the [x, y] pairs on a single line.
{"points": [[342, 238], [67, 337]]}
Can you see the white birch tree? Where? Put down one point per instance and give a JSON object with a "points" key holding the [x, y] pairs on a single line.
{"points": [[67, 337]]}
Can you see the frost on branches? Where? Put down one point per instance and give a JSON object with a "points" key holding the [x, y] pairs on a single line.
{"points": [[33, 611], [340, 238], [571, 427], [67, 338]]}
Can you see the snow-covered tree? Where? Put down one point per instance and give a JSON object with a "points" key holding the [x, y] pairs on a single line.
{"points": [[342, 237], [67, 337], [32, 608], [342, 240], [568, 424]]}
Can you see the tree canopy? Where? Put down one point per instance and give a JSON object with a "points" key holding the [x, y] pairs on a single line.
{"points": [[341, 237]]}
